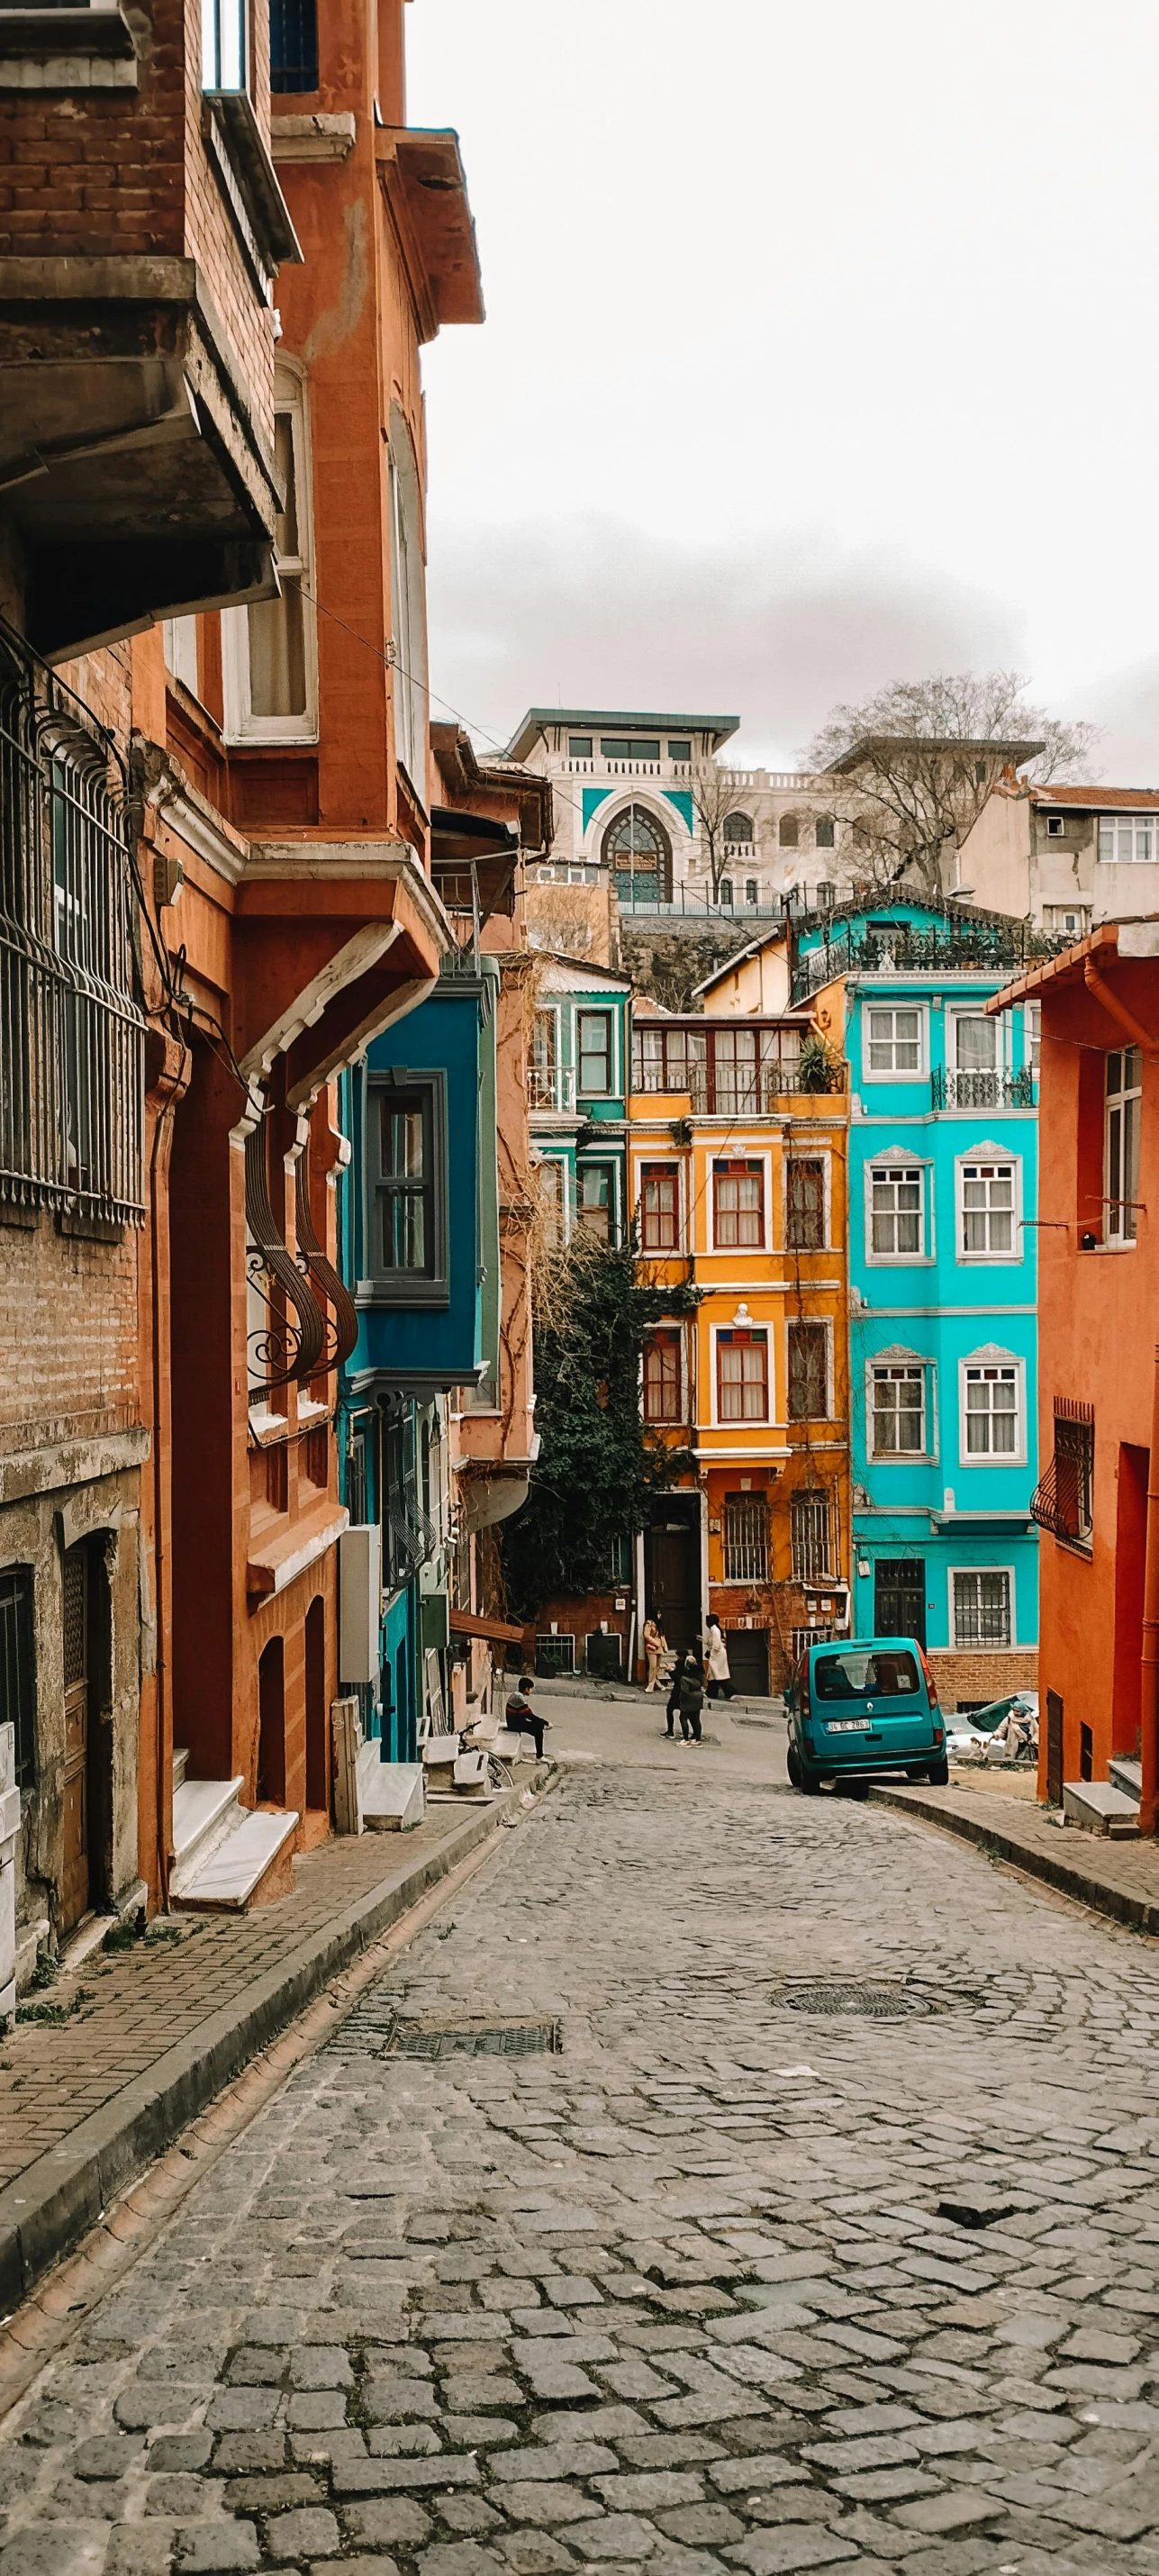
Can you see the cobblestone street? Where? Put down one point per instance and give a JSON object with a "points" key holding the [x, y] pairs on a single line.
{"points": [[729, 2279]]}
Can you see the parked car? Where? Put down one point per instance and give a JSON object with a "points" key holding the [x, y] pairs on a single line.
{"points": [[858, 1710], [1005, 1731]]}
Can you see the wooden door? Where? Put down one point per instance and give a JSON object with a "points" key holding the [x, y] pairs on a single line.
{"points": [[673, 1556], [1054, 1762], [75, 1888]]}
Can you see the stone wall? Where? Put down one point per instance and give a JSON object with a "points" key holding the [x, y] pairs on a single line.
{"points": [[670, 958]]}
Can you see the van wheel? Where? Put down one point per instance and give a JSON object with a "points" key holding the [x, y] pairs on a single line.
{"points": [[793, 1766], [939, 1774], [809, 1783]]}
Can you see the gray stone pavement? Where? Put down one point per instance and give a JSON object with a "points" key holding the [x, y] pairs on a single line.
{"points": [[682, 2295]]}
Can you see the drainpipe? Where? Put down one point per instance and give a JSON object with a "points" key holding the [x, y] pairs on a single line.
{"points": [[1149, 1696]]}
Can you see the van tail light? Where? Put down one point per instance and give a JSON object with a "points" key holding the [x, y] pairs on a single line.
{"points": [[931, 1684], [939, 1738]]}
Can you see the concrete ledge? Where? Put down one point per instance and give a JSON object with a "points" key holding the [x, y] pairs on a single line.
{"points": [[46, 2209], [1091, 1876]]}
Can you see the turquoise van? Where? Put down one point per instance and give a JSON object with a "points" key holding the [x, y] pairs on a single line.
{"points": [[859, 1709]]}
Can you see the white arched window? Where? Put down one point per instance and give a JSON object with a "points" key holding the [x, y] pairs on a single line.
{"points": [[270, 649], [407, 606]]}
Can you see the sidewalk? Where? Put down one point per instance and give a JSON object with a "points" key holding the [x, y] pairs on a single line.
{"points": [[1116, 1878], [132, 2045]]}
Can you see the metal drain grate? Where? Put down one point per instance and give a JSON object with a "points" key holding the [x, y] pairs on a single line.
{"points": [[871, 2003], [474, 2039]]}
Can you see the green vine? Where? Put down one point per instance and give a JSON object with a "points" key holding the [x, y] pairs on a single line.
{"points": [[596, 1468]]}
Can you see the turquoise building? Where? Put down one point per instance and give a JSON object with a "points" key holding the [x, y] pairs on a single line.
{"points": [[578, 1077], [942, 1283], [420, 1253]]}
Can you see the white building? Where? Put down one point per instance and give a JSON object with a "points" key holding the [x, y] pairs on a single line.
{"points": [[643, 807]]}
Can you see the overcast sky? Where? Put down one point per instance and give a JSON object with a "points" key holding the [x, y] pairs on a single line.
{"points": [[821, 351]]}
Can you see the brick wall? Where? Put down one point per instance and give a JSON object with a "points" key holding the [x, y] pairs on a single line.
{"points": [[68, 1334], [96, 172], [983, 1676]]}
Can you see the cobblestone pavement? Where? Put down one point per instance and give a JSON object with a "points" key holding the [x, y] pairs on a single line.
{"points": [[685, 2294]]}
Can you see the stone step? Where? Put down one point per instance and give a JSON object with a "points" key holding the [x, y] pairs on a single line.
{"points": [[249, 1865], [1126, 1773], [202, 1811], [1100, 1809], [391, 1795], [180, 1765]]}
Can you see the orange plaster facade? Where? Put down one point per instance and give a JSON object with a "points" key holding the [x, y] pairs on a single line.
{"points": [[1098, 1303]]}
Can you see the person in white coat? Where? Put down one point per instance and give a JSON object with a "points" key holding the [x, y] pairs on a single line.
{"points": [[716, 1658]]}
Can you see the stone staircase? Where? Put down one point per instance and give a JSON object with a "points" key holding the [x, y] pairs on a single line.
{"points": [[226, 1857], [1108, 1806]]}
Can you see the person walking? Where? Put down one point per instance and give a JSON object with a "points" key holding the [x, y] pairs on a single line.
{"points": [[719, 1676], [522, 1718], [691, 1696], [673, 1709], [655, 1645]]}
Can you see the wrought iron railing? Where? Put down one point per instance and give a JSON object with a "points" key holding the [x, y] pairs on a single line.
{"points": [[72, 1030], [550, 1086], [1062, 1502], [981, 1089], [856, 948], [282, 1346]]}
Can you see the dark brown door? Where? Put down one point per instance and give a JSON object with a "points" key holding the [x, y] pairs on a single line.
{"points": [[748, 1660], [75, 1889], [272, 1725], [674, 1582], [1053, 1749], [317, 1728]]}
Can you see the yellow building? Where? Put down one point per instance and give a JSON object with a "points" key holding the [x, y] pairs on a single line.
{"points": [[738, 1184]]}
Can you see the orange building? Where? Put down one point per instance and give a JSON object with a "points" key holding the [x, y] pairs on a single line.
{"points": [[1098, 1500], [738, 1183]]}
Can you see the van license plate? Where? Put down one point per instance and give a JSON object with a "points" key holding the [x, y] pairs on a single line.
{"points": [[848, 1726]]}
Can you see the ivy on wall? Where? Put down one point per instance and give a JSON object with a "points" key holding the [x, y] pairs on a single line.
{"points": [[597, 1466]]}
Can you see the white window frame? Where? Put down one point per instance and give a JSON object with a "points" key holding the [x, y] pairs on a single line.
{"points": [[1121, 1228], [668, 1163], [408, 620], [609, 1009], [913, 1362], [181, 656], [741, 1153], [988, 1260], [566, 1211], [893, 1163], [1126, 831], [1032, 1037], [241, 725], [825, 1324], [980, 1647], [1055, 826], [590, 1159], [806, 1153], [739, 1426], [906, 1073], [992, 1358], [1057, 927]]}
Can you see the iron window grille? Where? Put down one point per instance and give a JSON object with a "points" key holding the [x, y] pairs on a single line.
{"points": [[746, 1538], [803, 1638], [554, 1655], [981, 1607], [808, 1347], [293, 45], [72, 1032], [811, 1533], [18, 1669], [1063, 1502]]}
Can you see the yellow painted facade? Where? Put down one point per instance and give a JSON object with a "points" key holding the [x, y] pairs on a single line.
{"points": [[737, 1180]]}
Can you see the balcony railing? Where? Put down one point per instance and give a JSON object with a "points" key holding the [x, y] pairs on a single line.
{"points": [[854, 947], [981, 1089], [550, 1086]]}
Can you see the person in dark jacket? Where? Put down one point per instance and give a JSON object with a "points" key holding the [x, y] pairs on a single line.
{"points": [[522, 1718], [691, 1696], [673, 1709]]}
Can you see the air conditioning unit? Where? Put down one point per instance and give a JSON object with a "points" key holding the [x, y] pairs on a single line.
{"points": [[359, 1602]]}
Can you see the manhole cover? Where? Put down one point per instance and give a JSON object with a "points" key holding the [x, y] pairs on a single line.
{"points": [[873, 2003], [474, 2038]]}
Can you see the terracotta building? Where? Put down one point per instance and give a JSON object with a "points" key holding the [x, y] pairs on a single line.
{"points": [[218, 893], [738, 1183], [1097, 1502]]}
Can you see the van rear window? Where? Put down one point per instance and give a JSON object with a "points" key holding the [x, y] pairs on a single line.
{"points": [[863, 1675]]}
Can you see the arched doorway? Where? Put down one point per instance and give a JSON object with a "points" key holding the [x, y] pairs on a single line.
{"points": [[317, 1732], [271, 1785], [638, 855]]}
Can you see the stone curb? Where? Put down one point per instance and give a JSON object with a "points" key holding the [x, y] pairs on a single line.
{"points": [[46, 2210], [1140, 1913]]}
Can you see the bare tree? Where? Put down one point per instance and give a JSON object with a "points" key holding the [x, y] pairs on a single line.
{"points": [[714, 798], [918, 761]]}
